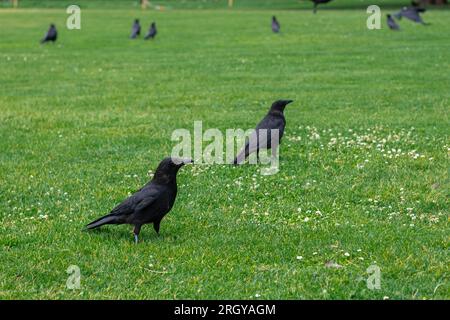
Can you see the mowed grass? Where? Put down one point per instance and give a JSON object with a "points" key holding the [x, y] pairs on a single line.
{"points": [[364, 161]]}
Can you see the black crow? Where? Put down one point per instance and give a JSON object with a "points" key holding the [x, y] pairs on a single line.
{"points": [[136, 29], [317, 2], [275, 25], [51, 34], [151, 203], [391, 23], [151, 32], [412, 13], [261, 136]]}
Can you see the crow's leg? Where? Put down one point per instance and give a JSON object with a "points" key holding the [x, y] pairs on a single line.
{"points": [[137, 229], [156, 226], [274, 152]]}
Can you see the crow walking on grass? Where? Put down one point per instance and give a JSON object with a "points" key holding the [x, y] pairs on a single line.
{"points": [[151, 203], [275, 25], [151, 32], [391, 23], [261, 138], [136, 29], [51, 34]]}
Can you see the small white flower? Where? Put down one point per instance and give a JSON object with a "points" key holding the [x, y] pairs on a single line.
{"points": [[299, 257], [347, 254]]}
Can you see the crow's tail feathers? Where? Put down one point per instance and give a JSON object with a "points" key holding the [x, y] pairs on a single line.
{"points": [[108, 219]]}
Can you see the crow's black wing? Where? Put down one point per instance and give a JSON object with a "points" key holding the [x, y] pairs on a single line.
{"points": [[136, 202], [275, 26], [135, 31], [271, 122], [48, 35], [263, 138], [153, 32]]}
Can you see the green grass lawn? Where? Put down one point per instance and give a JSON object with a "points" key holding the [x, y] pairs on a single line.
{"points": [[364, 161]]}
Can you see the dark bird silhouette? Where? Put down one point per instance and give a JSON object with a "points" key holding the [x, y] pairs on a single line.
{"points": [[261, 138], [391, 23], [151, 203], [151, 32], [412, 13], [317, 2], [51, 34], [275, 25], [135, 29]]}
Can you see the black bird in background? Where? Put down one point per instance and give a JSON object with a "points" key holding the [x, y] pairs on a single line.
{"points": [[275, 25], [51, 34], [412, 13], [136, 29], [151, 203], [274, 120], [151, 32], [391, 23], [317, 2]]}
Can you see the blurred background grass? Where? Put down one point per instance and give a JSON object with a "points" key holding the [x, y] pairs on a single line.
{"points": [[211, 4]]}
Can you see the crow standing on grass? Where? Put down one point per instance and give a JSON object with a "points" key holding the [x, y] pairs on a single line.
{"points": [[136, 29], [151, 32], [261, 137], [51, 34], [151, 203], [391, 23], [317, 2], [275, 25]]}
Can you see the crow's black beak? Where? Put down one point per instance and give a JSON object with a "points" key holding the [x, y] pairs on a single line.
{"points": [[288, 101]]}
